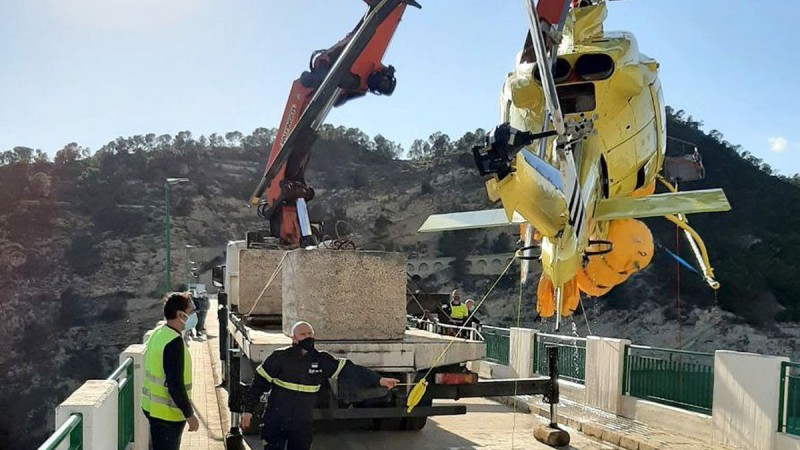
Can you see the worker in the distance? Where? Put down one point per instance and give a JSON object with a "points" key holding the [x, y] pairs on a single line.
{"points": [[167, 384], [294, 375], [458, 311]]}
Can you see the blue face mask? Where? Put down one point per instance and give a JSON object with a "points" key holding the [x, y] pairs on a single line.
{"points": [[190, 322]]}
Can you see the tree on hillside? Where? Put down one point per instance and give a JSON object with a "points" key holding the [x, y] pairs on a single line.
{"points": [[419, 149], [70, 153], [260, 140], [385, 148], [17, 155], [234, 138], [440, 144], [470, 139]]}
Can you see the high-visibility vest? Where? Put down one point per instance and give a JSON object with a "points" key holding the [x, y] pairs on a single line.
{"points": [[459, 311], [156, 400]]}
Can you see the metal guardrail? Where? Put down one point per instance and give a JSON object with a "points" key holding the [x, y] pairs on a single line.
{"points": [[789, 412], [123, 375], [71, 429], [677, 378], [470, 333], [498, 343], [571, 356]]}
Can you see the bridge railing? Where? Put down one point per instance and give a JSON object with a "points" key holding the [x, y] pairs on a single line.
{"points": [[70, 432], [571, 356], [470, 333], [123, 375], [498, 344], [789, 413], [676, 378]]}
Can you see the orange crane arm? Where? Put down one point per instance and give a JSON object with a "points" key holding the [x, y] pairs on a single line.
{"points": [[347, 70]]}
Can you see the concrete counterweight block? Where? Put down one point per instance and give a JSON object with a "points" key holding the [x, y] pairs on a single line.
{"points": [[256, 266], [344, 294]]}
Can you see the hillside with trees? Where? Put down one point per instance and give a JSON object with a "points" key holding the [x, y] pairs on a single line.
{"points": [[81, 239]]}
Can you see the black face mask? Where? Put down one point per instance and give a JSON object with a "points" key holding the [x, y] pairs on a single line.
{"points": [[306, 344]]}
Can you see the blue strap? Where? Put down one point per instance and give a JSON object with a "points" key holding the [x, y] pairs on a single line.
{"points": [[682, 261]]}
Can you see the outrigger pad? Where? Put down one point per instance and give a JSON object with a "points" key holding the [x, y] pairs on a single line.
{"points": [[551, 436]]}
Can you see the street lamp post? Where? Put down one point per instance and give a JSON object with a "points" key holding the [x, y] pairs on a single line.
{"points": [[167, 183], [188, 264]]}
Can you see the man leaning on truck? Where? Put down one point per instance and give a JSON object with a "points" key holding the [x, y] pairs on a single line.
{"points": [[294, 375]]}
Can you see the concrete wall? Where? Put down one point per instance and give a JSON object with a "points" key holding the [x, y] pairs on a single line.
{"points": [[691, 423], [746, 400], [491, 264], [97, 401], [604, 373]]}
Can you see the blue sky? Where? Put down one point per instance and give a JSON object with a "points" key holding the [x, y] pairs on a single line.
{"points": [[92, 70]]}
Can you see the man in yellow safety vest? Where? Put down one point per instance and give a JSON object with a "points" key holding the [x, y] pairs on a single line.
{"points": [[167, 385], [458, 311]]}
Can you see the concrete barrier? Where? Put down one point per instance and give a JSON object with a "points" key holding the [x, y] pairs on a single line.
{"points": [[97, 402], [605, 361], [746, 399], [785, 441], [520, 355]]}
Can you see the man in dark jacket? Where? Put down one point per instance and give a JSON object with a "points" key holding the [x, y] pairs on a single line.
{"points": [[294, 375]]}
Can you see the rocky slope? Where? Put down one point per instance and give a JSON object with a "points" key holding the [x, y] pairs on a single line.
{"points": [[81, 247]]}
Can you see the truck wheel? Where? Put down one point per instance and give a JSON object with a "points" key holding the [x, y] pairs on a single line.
{"points": [[388, 424], [414, 423]]}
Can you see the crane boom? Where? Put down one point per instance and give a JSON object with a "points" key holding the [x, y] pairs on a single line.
{"points": [[349, 69]]}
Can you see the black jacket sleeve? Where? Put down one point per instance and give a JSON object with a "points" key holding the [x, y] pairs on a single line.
{"points": [[260, 383], [351, 372], [360, 375], [173, 370]]}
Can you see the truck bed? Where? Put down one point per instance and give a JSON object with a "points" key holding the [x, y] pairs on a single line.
{"points": [[418, 350]]}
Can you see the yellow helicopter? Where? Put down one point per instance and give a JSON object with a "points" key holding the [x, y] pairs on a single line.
{"points": [[578, 156]]}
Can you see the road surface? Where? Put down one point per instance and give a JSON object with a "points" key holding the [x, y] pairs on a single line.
{"points": [[487, 426]]}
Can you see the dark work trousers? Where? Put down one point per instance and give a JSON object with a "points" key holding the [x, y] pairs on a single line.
{"points": [[201, 320], [280, 439], [165, 435]]}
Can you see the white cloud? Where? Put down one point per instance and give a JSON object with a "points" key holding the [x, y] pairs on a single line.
{"points": [[777, 144]]}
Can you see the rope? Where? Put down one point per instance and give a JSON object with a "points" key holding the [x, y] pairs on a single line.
{"points": [[441, 355], [516, 380], [269, 282], [586, 319], [678, 270]]}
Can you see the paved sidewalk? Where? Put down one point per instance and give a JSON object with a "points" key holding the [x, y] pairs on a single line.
{"points": [[627, 433], [205, 378]]}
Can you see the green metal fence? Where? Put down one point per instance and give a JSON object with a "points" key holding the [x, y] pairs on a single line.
{"points": [[789, 413], [571, 356], [124, 378], [671, 377], [497, 342], [70, 431]]}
